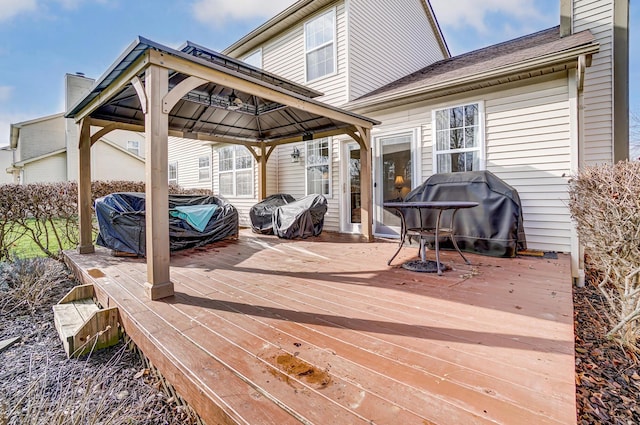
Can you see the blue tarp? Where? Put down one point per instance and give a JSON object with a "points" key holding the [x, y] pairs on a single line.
{"points": [[196, 215]]}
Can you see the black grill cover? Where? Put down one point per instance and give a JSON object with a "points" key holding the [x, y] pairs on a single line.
{"points": [[492, 228], [261, 214], [121, 219], [300, 219]]}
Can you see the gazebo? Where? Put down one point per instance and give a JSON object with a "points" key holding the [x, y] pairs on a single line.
{"points": [[197, 93]]}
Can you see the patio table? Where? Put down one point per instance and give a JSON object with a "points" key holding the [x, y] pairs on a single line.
{"points": [[422, 232]]}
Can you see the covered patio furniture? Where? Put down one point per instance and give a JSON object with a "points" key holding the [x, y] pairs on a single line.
{"points": [[300, 219], [261, 214], [493, 228], [193, 221]]}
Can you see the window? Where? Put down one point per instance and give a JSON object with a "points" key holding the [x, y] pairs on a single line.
{"points": [[133, 146], [204, 168], [235, 174], [458, 139], [173, 172], [319, 42], [254, 59], [318, 166]]}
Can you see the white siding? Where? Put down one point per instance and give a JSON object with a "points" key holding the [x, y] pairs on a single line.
{"points": [[528, 146], [388, 40], [284, 56], [527, 142], [40, 138], [110, 163], [47, 170], [6, 161], [186, 152], [597, 16]]}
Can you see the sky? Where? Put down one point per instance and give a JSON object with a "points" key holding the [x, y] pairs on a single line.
{"points": [[42, 40]]}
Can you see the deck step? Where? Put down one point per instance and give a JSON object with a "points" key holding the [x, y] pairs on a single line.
{"points": [[82, 325]]}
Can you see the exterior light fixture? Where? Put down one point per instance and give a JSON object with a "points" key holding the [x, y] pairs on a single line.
{"points": [[295, 155], [235, 102]]}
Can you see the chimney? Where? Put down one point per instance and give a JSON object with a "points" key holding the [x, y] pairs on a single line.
{"points": [[566, 12]]}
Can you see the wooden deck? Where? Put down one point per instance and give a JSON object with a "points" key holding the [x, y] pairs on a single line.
{"points": [[322, 331]]}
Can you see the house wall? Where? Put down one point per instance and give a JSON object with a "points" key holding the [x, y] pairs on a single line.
{"points": [[41, 137], [388, 40], [527, 144], [6, 161], [111, 163], [284, 56], [597, 16], [47, 170]]}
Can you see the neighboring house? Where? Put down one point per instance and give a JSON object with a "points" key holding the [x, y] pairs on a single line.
{"points": [[531, 110], [6, 159], [45, 148]]}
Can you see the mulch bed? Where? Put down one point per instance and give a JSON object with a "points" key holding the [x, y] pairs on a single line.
{"points": [[607, 378], [39, 385]]}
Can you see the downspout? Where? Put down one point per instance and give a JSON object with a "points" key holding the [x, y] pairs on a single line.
{"points": [[578, 267]]}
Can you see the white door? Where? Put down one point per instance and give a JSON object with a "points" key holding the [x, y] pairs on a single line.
{"points": [[351, 187], [394, 176]]}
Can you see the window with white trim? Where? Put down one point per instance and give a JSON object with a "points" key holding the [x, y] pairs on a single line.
{"points": [[173, 172], [235, 172], [320, 46], [459, 142], [254, 59], [318, 165], [133, 146], [204, 168]]}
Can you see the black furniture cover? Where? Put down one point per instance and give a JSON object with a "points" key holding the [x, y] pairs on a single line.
{"points": [[492, 228], [301, 218], [261, 214], [121, 220]]}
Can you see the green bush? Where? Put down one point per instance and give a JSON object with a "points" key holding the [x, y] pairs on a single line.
{"points": [[605, 204]]}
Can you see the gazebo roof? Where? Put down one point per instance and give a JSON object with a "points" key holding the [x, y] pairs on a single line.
{"points": [[215, 108]]}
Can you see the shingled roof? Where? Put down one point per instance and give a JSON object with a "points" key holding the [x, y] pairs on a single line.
{"points": [[533, 48]]}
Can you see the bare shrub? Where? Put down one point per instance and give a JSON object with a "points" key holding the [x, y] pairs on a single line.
{"points": [[30, 284], [605, 204]]}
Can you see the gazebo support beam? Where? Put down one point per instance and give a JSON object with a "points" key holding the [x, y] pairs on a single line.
{"points": [[366, 179], [158, 283], [262, 172], [84, 188]]}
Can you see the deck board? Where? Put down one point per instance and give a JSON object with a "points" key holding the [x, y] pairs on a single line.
{"points": [[486, 343]]}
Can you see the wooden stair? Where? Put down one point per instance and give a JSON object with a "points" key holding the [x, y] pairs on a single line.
{"points": [[82, 325]]}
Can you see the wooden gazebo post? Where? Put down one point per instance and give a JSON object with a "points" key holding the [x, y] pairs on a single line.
{"points": [[85, 245], [156, 124]]}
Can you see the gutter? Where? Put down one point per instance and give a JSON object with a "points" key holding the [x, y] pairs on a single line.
{"points": [[387, 100]]}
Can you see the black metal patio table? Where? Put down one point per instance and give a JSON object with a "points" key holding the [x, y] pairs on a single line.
{"points": [[423, 265]]}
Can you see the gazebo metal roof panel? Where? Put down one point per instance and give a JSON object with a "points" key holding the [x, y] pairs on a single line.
{"points": [[208, 108]]}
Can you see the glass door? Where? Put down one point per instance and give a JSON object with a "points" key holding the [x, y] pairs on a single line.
{"points": [[393, 177], [351, 185]]}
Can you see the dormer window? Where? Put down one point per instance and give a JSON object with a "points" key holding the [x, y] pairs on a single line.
{"points": [[320, 45]]}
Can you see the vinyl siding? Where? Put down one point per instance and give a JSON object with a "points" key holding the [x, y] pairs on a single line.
{"points": [[527, 144], [597, 16], [186, 152], [109, 163], [388, 40], [40, 138], [6, 161], [47, 170], [285, 57]]}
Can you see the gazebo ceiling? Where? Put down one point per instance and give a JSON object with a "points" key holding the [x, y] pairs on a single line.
{"points": [[214, 109]]}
